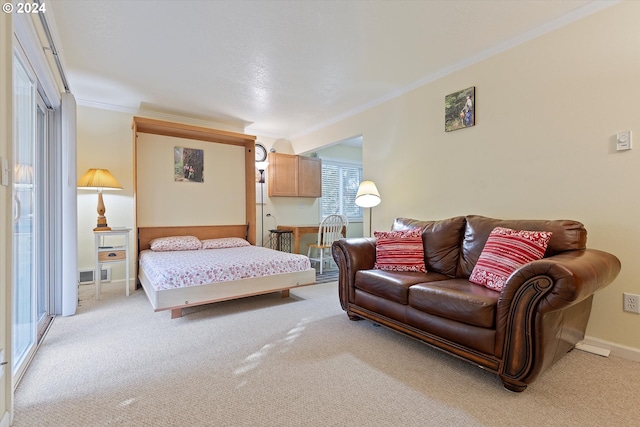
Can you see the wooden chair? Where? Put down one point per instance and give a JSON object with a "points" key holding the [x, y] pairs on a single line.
{"points": [[330, 230]]}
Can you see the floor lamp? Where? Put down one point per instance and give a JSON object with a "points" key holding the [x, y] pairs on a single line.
{"points": [[368, 197], [261, 166]]}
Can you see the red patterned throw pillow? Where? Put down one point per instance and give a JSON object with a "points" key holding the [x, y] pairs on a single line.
{"points": [[400, 250], [504, 252]]}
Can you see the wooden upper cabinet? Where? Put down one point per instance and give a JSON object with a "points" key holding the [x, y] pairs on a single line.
{"points": [[282, 175], [309, 177], [294, 176]]}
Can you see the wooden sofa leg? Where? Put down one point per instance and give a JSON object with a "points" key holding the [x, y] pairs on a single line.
{"points": [[285, 293], [176, 312], [511, 385]]}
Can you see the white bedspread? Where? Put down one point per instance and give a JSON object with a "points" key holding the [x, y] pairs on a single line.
{"points": [[178, 269]]}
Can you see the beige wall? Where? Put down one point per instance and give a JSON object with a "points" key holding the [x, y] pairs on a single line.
{"points": [[341, 152], [543, 147], [162, 201], [104, 141]]}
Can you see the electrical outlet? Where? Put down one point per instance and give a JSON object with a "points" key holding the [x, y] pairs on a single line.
{"points": [[631, 303]]}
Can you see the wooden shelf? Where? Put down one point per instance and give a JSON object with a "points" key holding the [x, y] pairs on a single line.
{"points": [[181, 130]]}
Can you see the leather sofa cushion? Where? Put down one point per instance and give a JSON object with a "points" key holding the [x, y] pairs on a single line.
{"points": [[453, 335], [392, 285], [441, 240], [567, 235], [456, 299]]}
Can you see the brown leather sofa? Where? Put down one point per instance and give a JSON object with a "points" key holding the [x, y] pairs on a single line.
{"points": [[540, 314]]}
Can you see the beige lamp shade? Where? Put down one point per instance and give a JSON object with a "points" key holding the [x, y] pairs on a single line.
{"points": [[367, 195], [99, 179], [23, 174]]}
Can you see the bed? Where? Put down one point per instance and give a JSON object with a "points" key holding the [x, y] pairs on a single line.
{"points": [[175, 279]]}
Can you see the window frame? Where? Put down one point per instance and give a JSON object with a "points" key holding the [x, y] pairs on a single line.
{"points": [[341, 163]]}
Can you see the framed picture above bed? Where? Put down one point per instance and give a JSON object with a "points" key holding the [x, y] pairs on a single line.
{"points": [[188, 164]]}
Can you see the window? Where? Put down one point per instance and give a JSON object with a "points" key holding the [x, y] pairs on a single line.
{"points": [[339, 187]]}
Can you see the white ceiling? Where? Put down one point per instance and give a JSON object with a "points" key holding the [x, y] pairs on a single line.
{"points": [[281, 68]]}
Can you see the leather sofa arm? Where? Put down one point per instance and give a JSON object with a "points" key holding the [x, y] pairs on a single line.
{"points": [[537, 290], [351, 255], [575, 275]]}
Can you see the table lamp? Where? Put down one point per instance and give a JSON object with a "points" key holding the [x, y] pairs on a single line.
{"points": [[99, 179]]}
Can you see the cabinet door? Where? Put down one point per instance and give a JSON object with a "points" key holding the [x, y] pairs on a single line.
{"points": [[309, 177], [282, 175]]}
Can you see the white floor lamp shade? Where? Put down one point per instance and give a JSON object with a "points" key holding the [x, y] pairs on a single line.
{"points": [[368, 197]]}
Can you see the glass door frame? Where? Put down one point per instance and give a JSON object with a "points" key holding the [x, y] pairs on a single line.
{"points": [[44, 278], [30, 227]]}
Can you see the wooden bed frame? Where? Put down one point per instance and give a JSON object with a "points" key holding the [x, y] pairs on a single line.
{"points": [[179, 298]]}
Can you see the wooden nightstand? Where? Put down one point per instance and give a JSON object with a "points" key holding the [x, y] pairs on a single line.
{"points": [[108, 252]]}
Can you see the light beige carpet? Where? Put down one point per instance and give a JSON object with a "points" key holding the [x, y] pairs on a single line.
{"points": [[268, 361]]}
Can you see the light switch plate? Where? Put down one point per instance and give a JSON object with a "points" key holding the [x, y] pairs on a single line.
{"points": [[623, 141], [5, 171]]}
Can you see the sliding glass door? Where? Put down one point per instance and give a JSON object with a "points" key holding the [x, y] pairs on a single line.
{"points": [[42, 195], [30, 278]]}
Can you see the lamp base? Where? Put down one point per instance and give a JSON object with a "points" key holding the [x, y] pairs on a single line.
{"points": [[102, 224]]}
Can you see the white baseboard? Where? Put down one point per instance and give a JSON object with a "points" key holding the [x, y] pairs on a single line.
{"points": [[5, 421], [593, 349], [629, 353], [119, 282]]}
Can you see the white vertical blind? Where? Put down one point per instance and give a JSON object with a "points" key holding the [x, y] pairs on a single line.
{"points": [[339, 187], [69, 253]]}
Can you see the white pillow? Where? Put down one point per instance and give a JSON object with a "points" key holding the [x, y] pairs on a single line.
{"points": [[175, 243], [225, 242]]}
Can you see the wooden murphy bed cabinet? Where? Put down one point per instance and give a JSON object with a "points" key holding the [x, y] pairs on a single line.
{"points": [[294, 176]]}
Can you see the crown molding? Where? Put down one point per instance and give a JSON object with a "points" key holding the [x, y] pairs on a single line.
{"points": [[559, 22]]}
